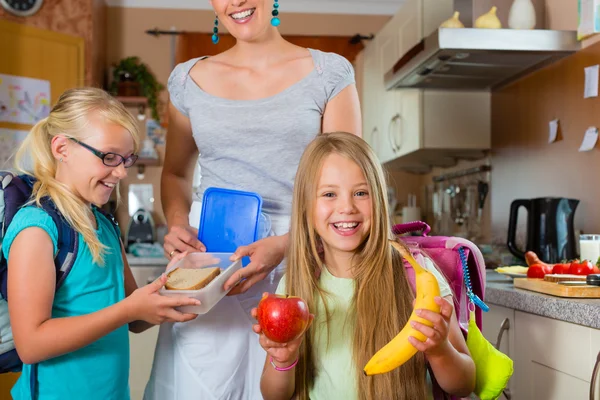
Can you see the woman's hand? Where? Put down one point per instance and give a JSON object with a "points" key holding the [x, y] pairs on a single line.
{"points": [[437, 336], [284, 354], [182, 238], [146, 304], [265, 255]]}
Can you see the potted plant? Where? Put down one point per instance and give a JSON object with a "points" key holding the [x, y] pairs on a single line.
{"points": [[133, 78]]}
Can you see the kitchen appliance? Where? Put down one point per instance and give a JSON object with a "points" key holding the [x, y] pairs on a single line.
{"points": [[550, 232], [478, 59], [141, 228]]}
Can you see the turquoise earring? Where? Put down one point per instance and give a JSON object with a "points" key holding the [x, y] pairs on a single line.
{"points": [[215, 36], [275, 21]]}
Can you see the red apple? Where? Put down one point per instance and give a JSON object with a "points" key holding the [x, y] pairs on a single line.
{"points": [[282, 318]]}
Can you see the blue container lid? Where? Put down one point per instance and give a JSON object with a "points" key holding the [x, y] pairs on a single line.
{"points": [[229, 219]]}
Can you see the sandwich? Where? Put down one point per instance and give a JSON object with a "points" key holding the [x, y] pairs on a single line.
{"points": [[191, 278]]}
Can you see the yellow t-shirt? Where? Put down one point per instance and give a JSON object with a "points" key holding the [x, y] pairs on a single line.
{"points": [[335, 369]]}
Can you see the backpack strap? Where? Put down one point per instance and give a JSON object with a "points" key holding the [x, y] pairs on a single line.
{"points": [[67, 242], [111, 218]]}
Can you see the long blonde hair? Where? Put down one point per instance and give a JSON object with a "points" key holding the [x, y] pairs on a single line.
{"points": [[382, 301], [69, 118]]}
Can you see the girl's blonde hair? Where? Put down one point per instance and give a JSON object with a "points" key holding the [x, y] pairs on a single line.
{"points": [[69, 118], [382, 301]]}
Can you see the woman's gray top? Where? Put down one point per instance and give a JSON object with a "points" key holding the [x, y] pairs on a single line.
{"points": [[255, 145]]}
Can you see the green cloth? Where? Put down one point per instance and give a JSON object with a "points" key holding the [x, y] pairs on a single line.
{"points": [[493, 368]]}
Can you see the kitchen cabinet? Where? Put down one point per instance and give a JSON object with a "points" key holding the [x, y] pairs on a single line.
{"points": [[499, 323], [141, 350], [596, 362], [412, 129], [553, 359], [142, 345]]}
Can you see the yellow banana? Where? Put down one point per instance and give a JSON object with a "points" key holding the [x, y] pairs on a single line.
{"points": [[399, 350]]}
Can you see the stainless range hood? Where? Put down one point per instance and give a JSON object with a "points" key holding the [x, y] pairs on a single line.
{"points": [[474, 59], [477, 59]]}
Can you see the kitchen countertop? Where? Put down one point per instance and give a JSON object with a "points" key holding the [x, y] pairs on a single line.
{"points": [[500, 291], [146, 261]]}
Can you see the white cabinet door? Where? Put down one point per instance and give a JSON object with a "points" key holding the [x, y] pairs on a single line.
{"points": [[434, 13], [408, 133], [389, 46], [141, 349], [408, 23], [595, 353], [372, 88], [388, 113], [552, 358]]}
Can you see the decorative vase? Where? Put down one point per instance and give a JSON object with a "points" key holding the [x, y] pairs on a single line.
{"points": [[521, 15]]}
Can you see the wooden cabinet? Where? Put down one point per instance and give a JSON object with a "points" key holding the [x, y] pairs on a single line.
{"points": [[413, 129], [553, 359]]}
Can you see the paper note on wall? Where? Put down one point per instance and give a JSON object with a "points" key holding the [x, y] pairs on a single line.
{"points": [[589, 139], [553, 131], [9, 142], [591, 82], [23, 100]]}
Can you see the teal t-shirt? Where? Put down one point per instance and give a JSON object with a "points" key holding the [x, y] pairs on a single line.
{"points": [[101, 369]]}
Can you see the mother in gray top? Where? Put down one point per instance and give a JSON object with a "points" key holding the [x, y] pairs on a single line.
{"points": [[250, 112]]}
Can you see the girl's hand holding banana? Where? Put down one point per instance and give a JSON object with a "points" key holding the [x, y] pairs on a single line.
{"points": [[436, 342]]}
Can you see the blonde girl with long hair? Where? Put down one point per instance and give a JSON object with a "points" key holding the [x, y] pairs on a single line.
{"points": [[342, 264], [74, 341]]}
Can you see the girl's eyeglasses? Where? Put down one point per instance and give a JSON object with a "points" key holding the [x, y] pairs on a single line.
{"points": [[109, 159]]}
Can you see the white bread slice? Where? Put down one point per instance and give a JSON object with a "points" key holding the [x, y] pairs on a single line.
{"points": [[191, 278]]}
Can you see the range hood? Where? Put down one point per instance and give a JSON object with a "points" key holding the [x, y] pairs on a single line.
{"points": [[478, 59]]}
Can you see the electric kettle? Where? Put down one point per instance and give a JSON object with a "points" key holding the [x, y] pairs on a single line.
{"points": [[550, 232]]}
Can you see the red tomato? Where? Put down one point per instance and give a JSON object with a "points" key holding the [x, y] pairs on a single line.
{"points": [[581, 268], [561, 268], [537, 271], [595, 270]]}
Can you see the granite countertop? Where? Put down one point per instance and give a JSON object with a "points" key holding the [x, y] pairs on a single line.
{"points": [[500, 291]]}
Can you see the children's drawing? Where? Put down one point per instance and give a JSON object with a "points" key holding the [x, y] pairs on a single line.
{"points": [[23, 100]]}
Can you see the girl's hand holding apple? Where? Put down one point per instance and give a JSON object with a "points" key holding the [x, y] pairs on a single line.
{"points": [[282, 320]]}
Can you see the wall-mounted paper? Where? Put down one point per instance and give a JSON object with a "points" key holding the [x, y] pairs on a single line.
{"points": [[589, 139], [23, 100], [591, 82], [553, 131]]}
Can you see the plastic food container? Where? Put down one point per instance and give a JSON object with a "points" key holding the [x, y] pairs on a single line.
{"points": [[212, 293], [231, 218]]}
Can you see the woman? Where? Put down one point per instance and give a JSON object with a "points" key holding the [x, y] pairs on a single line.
{"points": [[250, 111]]}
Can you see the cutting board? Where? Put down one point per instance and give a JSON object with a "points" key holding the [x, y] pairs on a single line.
{"points": [[554, 289]]}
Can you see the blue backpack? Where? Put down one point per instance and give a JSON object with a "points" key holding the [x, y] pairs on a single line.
{"points": [[15, 191]]}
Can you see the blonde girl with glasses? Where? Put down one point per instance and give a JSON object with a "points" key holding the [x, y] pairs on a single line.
{"points": [[74, 341]]}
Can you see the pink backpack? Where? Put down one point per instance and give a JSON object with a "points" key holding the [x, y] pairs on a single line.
{"points": [[460, 261]]}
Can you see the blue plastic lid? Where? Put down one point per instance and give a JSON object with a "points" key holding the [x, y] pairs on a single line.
{"points": [[229, 219]]}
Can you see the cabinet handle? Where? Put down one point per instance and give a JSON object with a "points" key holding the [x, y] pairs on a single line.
{"points": [[504, 326], [594, 375], [375, 140], [391, 137]]}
